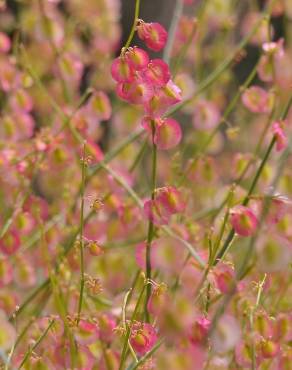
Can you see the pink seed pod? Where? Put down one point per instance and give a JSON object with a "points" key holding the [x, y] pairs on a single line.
{"points": [[206, 115], [153, 34], [263, 324], [99, 106], [8, 300], [224, 277], [168, 134], [268, 348], [157, 73], [243, 354], [168, 201], [6, 272], [70, 67], [94, 248], [137, 58], [143, 337], [280, 136], [266, 69], [199, 330], [172, 93], [171, 198], [243, 220], [37, 207], [122, 70], [9, 76], [8, 333], [285, 360], [5, 43], [162, 99], [226, 334], [86, 332], [158, 300], [24, 273], [257, 100], [138, 92], [283, 327], [10, 243], [274, 253], [21, 101], [107, 323]]}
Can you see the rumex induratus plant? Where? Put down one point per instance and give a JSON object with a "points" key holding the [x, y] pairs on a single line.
{"points": [[169, 247]]}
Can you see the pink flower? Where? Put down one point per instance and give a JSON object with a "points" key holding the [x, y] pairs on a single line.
{"points": [[257, 100], [154, 35], [243, 220], [10, 243], [143, 337], [280, 136], [168, 201]]}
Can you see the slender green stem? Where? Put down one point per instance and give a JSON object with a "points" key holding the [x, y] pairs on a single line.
{"points": [[246, 200], [254, 183], [151, 225], [251, 319], [139, 156], [39, 340], [136, 17], [128, 331], [81, 232], [241, 270], [146, 356]]}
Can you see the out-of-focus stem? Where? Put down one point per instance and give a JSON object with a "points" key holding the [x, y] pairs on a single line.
{"points": [[81, 232], [172, 30], [39, 340]]}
